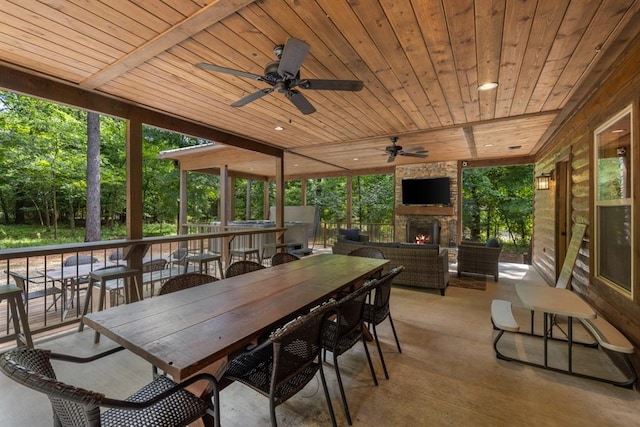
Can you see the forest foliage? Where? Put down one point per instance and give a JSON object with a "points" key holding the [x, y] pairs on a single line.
{"points": [[43, 157]]}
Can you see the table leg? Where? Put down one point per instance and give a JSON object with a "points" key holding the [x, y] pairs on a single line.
{"points": [[546, 338], [570, 340]]}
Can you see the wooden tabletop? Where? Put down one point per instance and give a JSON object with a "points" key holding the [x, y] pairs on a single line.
{"points": [[554, 301], [183, 332]]}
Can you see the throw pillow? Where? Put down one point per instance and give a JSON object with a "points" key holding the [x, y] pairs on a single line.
{"points": [[350, 233], [493, 243]]}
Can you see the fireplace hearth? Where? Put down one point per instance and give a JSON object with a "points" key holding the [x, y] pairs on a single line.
{"points": [[422, 231]]}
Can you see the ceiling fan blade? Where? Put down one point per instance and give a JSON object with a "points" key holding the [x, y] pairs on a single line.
{"points": [[300, 101], [211, 67], [292, 56], [422, 155], [252, 97], [316, 84], [417, 149]]}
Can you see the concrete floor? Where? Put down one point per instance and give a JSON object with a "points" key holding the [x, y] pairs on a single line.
{"points": [[447, 375]]}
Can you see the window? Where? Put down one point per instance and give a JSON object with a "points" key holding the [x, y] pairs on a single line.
{"points": [[613, 202]]}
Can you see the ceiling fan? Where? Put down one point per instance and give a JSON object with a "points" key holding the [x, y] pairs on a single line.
{"points": [[283, 76], [394, 150]]}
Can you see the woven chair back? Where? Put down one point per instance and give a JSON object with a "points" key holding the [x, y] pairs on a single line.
{"points": [[297, 345], [351, 310], [242, 267], [185, 281], [154, 265], [72, 406], [282, 258], [383, 288]]}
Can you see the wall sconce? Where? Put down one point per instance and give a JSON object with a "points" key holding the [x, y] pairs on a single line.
{"points": [[543, 181]]}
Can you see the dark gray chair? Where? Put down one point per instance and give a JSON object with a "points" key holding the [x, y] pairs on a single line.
{"points": [[344, 330], [376, 312], [283, 365], [160, 403]]}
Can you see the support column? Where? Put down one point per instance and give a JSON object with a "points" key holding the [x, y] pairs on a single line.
{"points": [[134, 198]]}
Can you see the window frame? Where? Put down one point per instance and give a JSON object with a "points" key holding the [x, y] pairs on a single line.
{"points": [[625, 200]]}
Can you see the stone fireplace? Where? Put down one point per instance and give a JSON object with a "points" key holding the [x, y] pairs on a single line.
{"points": [[438, 223], [423, 231]]}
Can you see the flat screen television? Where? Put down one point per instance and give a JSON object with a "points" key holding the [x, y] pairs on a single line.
{"points": [[426, 191]]}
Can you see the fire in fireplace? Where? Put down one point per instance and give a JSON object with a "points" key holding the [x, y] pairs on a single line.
{"points": [[423, 232]]}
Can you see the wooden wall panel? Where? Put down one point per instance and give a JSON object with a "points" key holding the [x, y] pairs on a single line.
{"points": [[619, 89]]}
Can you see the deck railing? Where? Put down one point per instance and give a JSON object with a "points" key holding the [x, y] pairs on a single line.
{"points": [[47, 270], [378, 232]]}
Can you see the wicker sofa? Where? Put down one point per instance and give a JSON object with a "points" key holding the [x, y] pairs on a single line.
{"points": [[478, 258], [426, 266]]}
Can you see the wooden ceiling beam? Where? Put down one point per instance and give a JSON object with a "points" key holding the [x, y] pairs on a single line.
{"points": [[471, 142], [204, 18]]}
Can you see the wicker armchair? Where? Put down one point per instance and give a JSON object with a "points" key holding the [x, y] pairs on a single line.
{"points": [[185, 281], [162, 402], [284, 364], [242, 267], [376, 312], [345, 330], [476, 257], [282, 258]]}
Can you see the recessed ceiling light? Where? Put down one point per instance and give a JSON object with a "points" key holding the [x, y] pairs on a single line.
{"points": [[355, 158], [488, 145], [488, 86], [278, 128], [618, 130], [295, 164]]}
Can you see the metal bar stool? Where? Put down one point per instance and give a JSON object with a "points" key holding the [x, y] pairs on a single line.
{"points": [[103, 276], [203, 260], [245, 252], [13, 295]]}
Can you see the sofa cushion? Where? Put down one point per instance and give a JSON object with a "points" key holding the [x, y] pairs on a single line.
{"points": [[350, 233]]}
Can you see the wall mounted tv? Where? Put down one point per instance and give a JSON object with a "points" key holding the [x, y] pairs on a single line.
{"points": [[426, 191]]}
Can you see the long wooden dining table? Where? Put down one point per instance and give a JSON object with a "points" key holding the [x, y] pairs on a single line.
{"points": [[186, 331]]}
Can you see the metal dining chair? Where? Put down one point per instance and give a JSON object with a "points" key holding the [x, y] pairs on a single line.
{"points": [[282, 366], [344, 330], [376, 312]]}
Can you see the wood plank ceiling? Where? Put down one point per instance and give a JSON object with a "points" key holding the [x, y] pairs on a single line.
{"points": [[421, 62]]}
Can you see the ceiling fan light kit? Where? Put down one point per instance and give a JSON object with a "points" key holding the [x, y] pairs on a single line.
{"points": [[283, 76]]}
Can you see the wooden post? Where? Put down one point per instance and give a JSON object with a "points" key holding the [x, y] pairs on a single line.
{"points": [[134, 198]]}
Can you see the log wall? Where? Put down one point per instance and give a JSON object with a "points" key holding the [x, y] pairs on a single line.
{"points": [[574, 142]]}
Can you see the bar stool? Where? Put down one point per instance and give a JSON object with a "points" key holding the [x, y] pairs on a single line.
{"points": [[13, 295], [244, 253], [203, 260], [103, 276]]}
